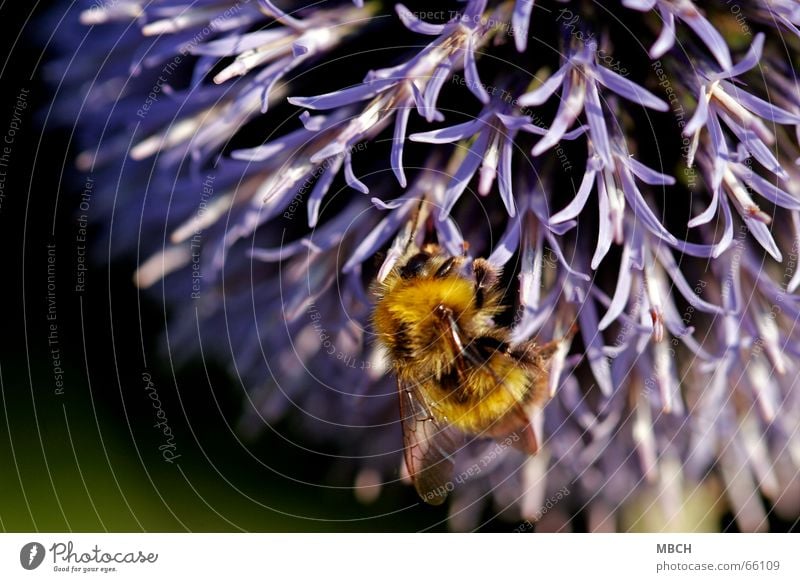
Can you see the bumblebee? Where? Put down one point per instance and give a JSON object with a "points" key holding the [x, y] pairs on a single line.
{"points": [[457, 372]]}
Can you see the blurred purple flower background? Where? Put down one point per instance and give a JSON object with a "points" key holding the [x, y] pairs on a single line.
{"points": [[633, 168]]}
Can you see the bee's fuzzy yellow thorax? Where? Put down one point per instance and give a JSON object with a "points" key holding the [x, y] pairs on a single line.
{"points": [[409, 322], [415, 303]]}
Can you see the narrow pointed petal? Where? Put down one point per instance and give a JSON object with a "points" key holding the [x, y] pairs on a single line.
{"points": [[400, 125], [504, 179], [629, 90], [414, 24], [575, 207], [520, 22], [465, 172], [343, 96], [546, 89], [350, 176], [471, 72], [666, 39]]}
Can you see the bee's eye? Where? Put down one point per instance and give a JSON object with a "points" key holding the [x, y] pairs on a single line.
{"points": [[415, 265]]}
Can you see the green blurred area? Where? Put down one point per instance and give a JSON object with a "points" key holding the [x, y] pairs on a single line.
{"points": [[71, 463]]}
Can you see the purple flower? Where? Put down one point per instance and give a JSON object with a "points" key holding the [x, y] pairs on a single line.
{"points": [[579, 78], [659, 210]]}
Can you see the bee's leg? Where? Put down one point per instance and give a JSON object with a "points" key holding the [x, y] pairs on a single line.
{"points": [[486, 277]]}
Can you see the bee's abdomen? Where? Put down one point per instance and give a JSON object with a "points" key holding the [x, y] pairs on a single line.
{"points": [[473, 399]]}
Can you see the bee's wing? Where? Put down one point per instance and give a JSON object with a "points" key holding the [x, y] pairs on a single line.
{"points": [[517, 422], [517, 425], [428, 446]]}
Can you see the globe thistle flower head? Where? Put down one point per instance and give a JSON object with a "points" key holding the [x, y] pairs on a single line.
{"points": [[634, 174]]}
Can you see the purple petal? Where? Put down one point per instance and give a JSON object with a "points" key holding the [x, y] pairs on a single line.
{"points": [[334, 148], [260, 153], [312, 123], [707, 214], [534, 129], [471, 72], [530, 272], [762, 108], [400, 125], [279, 253], [235, 45], [793, 284], [641, 210], [629, 90], [700, 116], [432, 89], [568, 110], [597, 124], [326, 237], [452, 133], [762, 234], [320, 189], [504, 176], [508, 243], [280, 15], [648, 175], [605, 227], [414, 24], [621, 292], [514, 122], [710, 37], [546, 89], [465, 172], [379, 235], [532, 320], [752, 144], [750, 60], [593, 340], [520, 22], [390, 205], [769, 190], [727, 235], [666, 39], [719, 148], [419, 100], [344, 96], [671, 267], [350, 177], [562, 259], [695, 250], [474, 10], [578, 131], [269, 78], [640, 5], [574, 208], [449, 235], [537, 201]]}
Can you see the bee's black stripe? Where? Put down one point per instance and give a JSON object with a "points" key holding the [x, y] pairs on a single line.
{"points": [[488, 345], [479, 269], [401, 348]]}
